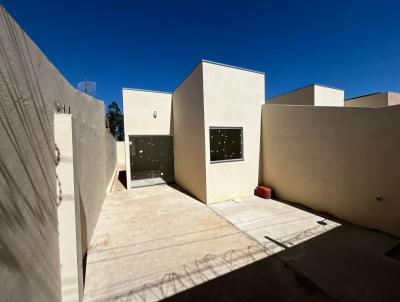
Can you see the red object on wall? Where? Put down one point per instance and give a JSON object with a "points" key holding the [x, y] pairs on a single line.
{"points": [[263, 192]]}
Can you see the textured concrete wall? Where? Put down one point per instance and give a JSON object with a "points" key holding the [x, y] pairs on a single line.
{"points": [[189, 136], [233, 98], [29, 88], [336, 160]]}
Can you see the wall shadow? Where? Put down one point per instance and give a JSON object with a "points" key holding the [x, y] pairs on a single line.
{"points": [[122, 179], [347, 263]]}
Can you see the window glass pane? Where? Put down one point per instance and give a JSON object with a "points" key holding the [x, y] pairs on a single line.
{"points": [[226, 143]]}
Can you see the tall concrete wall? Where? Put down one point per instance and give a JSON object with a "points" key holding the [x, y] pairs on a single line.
{"points": [[139, 108], [30, 86], [233, 98], [343, 161], [189, 134]]}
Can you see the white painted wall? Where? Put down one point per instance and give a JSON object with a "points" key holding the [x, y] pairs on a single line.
{"points": [[233, 98], [139, 107], [326, 96]]}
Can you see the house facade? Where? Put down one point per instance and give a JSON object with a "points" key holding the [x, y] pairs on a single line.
{"points": [[205, 135]]}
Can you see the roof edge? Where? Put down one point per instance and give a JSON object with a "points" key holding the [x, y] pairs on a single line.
{"points": [[231, 66], [304, 87], [146, 90]]}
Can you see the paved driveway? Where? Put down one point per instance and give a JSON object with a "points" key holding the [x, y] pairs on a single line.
{"points": [[153, 242], [156, 242]]}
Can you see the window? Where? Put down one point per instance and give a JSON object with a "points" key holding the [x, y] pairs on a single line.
{"points": [[226, 143]]}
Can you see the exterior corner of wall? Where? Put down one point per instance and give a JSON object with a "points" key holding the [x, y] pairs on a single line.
{"points": [[69, 224]]}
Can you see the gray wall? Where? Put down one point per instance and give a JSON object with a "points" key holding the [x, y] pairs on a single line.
{"points": [[336, 160], [29, 87]]}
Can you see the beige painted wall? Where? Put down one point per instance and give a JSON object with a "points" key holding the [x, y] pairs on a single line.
{"points": [[302, 96], [121, 153], [381, 99], [336, 160], [233, 98], [394, 98], [29, 88], [69, 224], [373, 101], [139, 107], [189, 144], [316, 95]]}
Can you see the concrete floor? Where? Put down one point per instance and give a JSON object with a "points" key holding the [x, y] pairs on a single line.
{"points": [[156, 242], [275, 225], [153, 242]]}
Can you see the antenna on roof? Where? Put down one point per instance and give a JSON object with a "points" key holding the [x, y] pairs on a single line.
{"points": [[88, 87]]}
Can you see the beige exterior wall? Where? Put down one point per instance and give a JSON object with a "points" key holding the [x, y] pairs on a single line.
{"points": [[336, 160], [315, 95], [233, 98], [189, 144], [28, 178], [69, 224], [139, 107], [121, 153], [381, 99], [303, 96], [372, 101], [394, 98]]}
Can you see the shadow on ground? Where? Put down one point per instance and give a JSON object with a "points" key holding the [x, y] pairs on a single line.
{"points": [[345, 264]]}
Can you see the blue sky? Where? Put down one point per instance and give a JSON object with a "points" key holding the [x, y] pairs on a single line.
{"points": [[354, 45]]}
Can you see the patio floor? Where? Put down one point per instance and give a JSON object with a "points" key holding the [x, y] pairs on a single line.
{"points": [[156, 242]]}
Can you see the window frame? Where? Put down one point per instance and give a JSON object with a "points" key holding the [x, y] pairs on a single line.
{"points": [[225, 160]]}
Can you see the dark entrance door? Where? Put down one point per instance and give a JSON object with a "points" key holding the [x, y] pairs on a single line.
{"points": [[152, 160]]}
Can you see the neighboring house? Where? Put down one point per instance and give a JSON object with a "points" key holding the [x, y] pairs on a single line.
{"points": [[374, 100], [314, 94]]}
